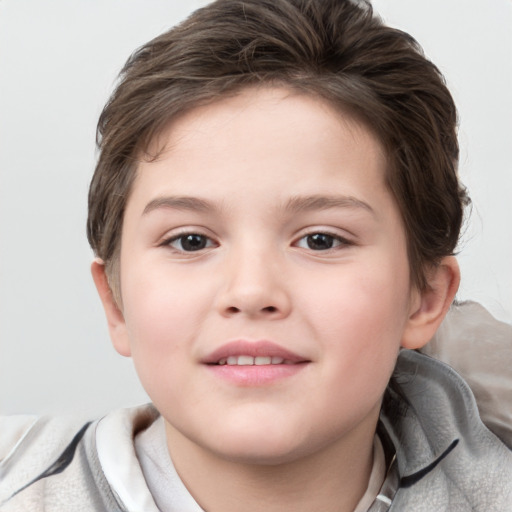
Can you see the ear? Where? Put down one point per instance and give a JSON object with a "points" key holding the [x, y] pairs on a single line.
{"points": [[115, 318], [429, 307]]}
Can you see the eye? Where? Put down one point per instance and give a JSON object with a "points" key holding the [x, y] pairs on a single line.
{"points": [[321, 242], [190, 242]]}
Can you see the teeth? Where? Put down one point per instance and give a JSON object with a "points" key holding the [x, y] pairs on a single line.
{"points": [[262, 360], [245, 361], [250, 361]]}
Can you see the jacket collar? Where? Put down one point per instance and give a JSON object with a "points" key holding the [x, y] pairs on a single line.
{"points": [[427, 409]]}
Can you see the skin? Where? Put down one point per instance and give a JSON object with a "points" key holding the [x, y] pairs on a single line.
{"points": [[270, 168]]}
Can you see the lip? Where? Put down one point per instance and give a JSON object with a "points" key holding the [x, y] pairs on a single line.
{"points": [[254, 349], [254, 375]]}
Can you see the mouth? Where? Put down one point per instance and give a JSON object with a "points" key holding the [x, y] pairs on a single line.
{"points": [[253, 353], [245, 360], [254, 363]]}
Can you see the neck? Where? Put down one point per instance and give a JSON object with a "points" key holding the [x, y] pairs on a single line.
{"points": [[333, 478]]}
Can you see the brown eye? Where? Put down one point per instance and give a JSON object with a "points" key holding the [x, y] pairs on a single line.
{"points": [[190, 242], [320, 241]]}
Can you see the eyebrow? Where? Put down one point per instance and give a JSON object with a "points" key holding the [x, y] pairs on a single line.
{"points": [[295, 204], [178, 203], [319, 202]]}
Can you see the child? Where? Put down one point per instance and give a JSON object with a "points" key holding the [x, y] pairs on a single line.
{"points": [[274, 213]]}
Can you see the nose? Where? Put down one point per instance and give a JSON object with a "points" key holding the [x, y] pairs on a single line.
{"points": [[255, 286]]}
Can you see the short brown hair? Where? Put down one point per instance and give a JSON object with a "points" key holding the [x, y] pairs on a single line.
{"points": [[338, 50]]}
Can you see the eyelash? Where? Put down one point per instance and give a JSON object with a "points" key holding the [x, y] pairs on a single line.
{"points": [[335, 240], [182, 236]]}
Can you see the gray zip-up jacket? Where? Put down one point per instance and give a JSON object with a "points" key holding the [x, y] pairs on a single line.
{"points": [[445, 458]]}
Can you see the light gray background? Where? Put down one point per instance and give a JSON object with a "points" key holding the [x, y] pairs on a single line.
{"points": [[58, 62]]}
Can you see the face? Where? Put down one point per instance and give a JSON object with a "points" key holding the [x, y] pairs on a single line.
{"points": [[264, 277]]}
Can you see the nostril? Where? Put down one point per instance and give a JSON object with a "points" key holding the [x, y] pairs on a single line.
{"points": [[267, 310]]}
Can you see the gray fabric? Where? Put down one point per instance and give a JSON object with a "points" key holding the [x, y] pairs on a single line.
{"points": [[81, 487], [426, 409], [479, 348]]}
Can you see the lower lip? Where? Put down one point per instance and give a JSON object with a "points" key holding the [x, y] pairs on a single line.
{"points": [[256, 375]]}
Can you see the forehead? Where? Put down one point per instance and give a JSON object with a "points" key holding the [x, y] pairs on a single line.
{"points": [[238, 136]]}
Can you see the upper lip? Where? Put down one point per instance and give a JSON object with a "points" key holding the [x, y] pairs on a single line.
{"points": [[253, 349]]}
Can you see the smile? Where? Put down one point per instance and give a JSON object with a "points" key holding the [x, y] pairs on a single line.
{"points": [[253, 361], [252, 353]]}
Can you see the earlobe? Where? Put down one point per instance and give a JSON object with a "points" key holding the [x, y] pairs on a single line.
{"points": [[430, 306], [115, 318]]}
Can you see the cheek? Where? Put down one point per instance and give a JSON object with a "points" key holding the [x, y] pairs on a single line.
{"points": [[162, 316], [159, 333], [370, 298], [159, 301], [361, 324]]}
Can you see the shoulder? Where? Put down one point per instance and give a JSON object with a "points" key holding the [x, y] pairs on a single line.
{"points": [[31, 445], [29, 442], [479, 348], [12, 431], [53, 463], [447, 458]]}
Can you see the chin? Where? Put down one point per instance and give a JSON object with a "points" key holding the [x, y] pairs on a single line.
{"points": [[265, 450], [264, 456]]}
